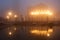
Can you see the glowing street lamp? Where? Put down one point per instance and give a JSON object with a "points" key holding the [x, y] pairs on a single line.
{"points": [[9, 13], [15, 16], [7, 17]]}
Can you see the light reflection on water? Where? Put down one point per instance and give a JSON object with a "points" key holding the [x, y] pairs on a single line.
{"points": [[24, 31]]}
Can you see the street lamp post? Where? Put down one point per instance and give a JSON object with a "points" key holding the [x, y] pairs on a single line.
{"points": [[9, 15], [15, 16]]}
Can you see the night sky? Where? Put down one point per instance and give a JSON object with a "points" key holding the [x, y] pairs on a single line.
{"points": [[22, 5]]}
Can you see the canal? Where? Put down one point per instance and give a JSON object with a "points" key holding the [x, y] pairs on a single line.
{"points": [[17, 32]]}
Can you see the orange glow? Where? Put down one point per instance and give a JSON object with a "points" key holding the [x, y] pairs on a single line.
{"points": [[9, 13], [42, 12], [15, 16], [10, 33], [48, 34], [35, 31], [50, 30], [7, 17], [35, 13], [49, 12], [42, 32]]}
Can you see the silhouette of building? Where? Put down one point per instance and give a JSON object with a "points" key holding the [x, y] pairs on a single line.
{"points": [[34, 8]]}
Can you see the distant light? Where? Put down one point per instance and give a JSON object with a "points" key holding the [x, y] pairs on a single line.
{"points": [[50, 30], [38, 32], [35, 31], [35, 13], [15, 16], [15, 28], [48, 34], [10, 33], [9, 13], [8, 17], [49, 12], [42, 12]]}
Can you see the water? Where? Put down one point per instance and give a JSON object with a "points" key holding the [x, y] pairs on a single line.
{"points": [[24, 33]]}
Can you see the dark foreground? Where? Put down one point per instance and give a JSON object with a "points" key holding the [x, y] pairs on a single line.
{"points": [[22, 33]]}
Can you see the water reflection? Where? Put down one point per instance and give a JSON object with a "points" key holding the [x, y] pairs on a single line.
{"points": [[28, 32], [41, 32], [31, 30], [11, 30], [10, 33], [48, 35]]}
